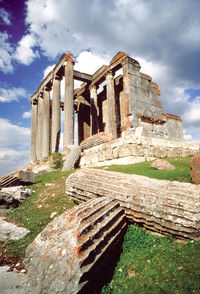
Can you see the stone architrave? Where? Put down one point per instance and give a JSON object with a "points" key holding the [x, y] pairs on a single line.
{"points": [[34, 131], [94, 111], [39, 126], [45, 123], [110, 93], [68, 136], [55, 135]]}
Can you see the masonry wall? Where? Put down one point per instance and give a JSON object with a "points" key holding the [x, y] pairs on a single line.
{"points": [[130, 149]]}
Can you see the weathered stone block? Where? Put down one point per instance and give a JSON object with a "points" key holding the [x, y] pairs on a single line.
{"points": [[162, 165], [73, 249], [195, 169], [163, 206]]}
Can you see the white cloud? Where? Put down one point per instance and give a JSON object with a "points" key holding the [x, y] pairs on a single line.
{"points": [[47, 70], [11, 160], [25, 53], [5, 16], [26, 114], [15, 144], [13, 94], [89, 61], [6, 51]]}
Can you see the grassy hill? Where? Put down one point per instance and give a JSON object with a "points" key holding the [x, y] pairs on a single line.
{"points": [[148, 263]]}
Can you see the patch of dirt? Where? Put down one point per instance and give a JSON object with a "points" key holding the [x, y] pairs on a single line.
{"points": [[15, 264]]}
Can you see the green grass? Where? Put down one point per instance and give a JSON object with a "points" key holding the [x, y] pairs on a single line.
{"points": [[152, 264], [148, 263], [181, 173], [34, 213]]}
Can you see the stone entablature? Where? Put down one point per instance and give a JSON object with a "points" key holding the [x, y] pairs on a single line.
{"points": [[131, 149], [126, 102]]}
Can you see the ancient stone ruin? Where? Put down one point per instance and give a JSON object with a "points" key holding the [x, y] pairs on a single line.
{"points": [[162, 206], [106, 102], [71, 252]]}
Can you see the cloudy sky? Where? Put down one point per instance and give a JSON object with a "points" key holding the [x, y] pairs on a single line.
{"points": [[164, 36]]}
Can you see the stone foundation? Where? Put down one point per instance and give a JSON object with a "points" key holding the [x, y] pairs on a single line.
{"points": [[130, 149]]}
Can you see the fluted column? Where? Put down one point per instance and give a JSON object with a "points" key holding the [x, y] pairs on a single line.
{"points": [[111, 116], [55, 136], [68, 136], [39, 126], [94, 111], [34, 110], [45, 123]]}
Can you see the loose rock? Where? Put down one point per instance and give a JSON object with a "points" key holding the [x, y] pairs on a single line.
{"points": [[11, 231], [195, 169], [162, 164]]}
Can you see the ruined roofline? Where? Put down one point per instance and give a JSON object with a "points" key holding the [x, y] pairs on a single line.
{"points": [[94, 79], [172, 116]]}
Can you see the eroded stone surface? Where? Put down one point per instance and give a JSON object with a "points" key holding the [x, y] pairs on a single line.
{"points": [[16, 178], [162, 164], [163, 206], [13, 196], [67, 253], [195, 169], [10, 231], [95, 140], [130, 149]]}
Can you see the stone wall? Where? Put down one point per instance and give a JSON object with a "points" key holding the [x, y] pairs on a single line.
{"points": [[130, 149]]}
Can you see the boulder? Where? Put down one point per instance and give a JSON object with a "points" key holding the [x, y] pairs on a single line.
{"points": [[8, 201], [11, 231], [162, 164], [13, 196], [162, 206], [195, 169], [72, 251]]}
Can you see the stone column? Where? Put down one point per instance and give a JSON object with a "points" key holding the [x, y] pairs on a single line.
{"points": [[68, 136], [94, 111], [39, 126], [110, 93], [34, 131], [45, 123], [55, 135]]}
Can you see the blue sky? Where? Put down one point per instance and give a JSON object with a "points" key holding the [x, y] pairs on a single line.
{"points": [[164, 36]]}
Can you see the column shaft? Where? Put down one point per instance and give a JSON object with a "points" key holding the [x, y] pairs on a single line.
{"points": [[55, 139], [39, 127], [110, 93], [94, 111], [68, 136], [45, 123], [33, 156]]}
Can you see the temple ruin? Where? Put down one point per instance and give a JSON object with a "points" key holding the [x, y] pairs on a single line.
{"points": [[105, 102]]}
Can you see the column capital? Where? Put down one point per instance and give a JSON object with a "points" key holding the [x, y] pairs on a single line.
{"points": [[69, 59], [109, 74], [57, 76], [47, 89], [95, 87]]}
